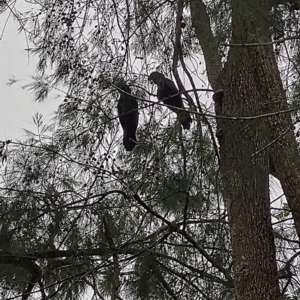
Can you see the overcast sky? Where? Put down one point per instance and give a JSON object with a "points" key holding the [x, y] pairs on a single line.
{"points": [[17, 105]]}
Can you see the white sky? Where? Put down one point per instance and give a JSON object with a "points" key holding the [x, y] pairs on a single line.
{"points": [[17, 105]]}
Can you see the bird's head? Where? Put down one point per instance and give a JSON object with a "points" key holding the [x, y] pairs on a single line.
{"points": [[156, 77]]}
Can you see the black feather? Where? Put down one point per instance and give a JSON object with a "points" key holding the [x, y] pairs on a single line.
{"points": [[128, 116], [167, 88]]}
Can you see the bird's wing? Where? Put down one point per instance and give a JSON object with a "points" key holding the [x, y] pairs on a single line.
{"points": [[134, 102], [128, 111], [171, 85], [159, 93]]}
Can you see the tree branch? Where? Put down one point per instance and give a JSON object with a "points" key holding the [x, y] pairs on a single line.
{"points": [[29, 265], [178, 53], [116, 274], [208, 43]]}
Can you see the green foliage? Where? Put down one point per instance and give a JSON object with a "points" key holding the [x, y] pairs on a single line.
{"points": [[162, 202]]}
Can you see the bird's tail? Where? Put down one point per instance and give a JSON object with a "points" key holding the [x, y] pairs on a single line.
{"points": [[129, 141], [185, 119]]}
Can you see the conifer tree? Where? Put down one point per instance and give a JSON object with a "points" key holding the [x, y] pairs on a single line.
{"points": [[183, 215]]}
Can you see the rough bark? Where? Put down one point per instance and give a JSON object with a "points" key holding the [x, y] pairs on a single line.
{"points": [[248, 78], [244, 157], [285, 157], [284, 151], [246, 182]]}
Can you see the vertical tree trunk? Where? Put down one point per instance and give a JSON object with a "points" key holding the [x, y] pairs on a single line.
{"points": [[285, 159], [244, 157], [253, 86], [285, 156], [246, 183]]}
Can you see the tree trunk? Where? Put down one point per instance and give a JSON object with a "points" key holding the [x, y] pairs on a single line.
{"points": [[244, 157], [253, 86], [246, 181], [285, 159]]}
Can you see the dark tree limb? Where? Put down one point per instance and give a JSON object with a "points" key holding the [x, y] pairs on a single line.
{"points": [[29, 265], [208, 43], [116, 274]]}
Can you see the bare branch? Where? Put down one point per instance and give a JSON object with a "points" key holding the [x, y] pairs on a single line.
{"points": [[208, 42]]}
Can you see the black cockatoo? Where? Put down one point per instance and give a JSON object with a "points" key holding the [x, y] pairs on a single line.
{"points": [[128, 116], [167, 88]]}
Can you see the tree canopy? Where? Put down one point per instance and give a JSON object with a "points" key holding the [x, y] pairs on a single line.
{"points": [[185, 213]]}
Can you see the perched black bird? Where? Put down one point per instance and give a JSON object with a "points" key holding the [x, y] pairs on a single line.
{"points": [[128, 116], [167, 88]]}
